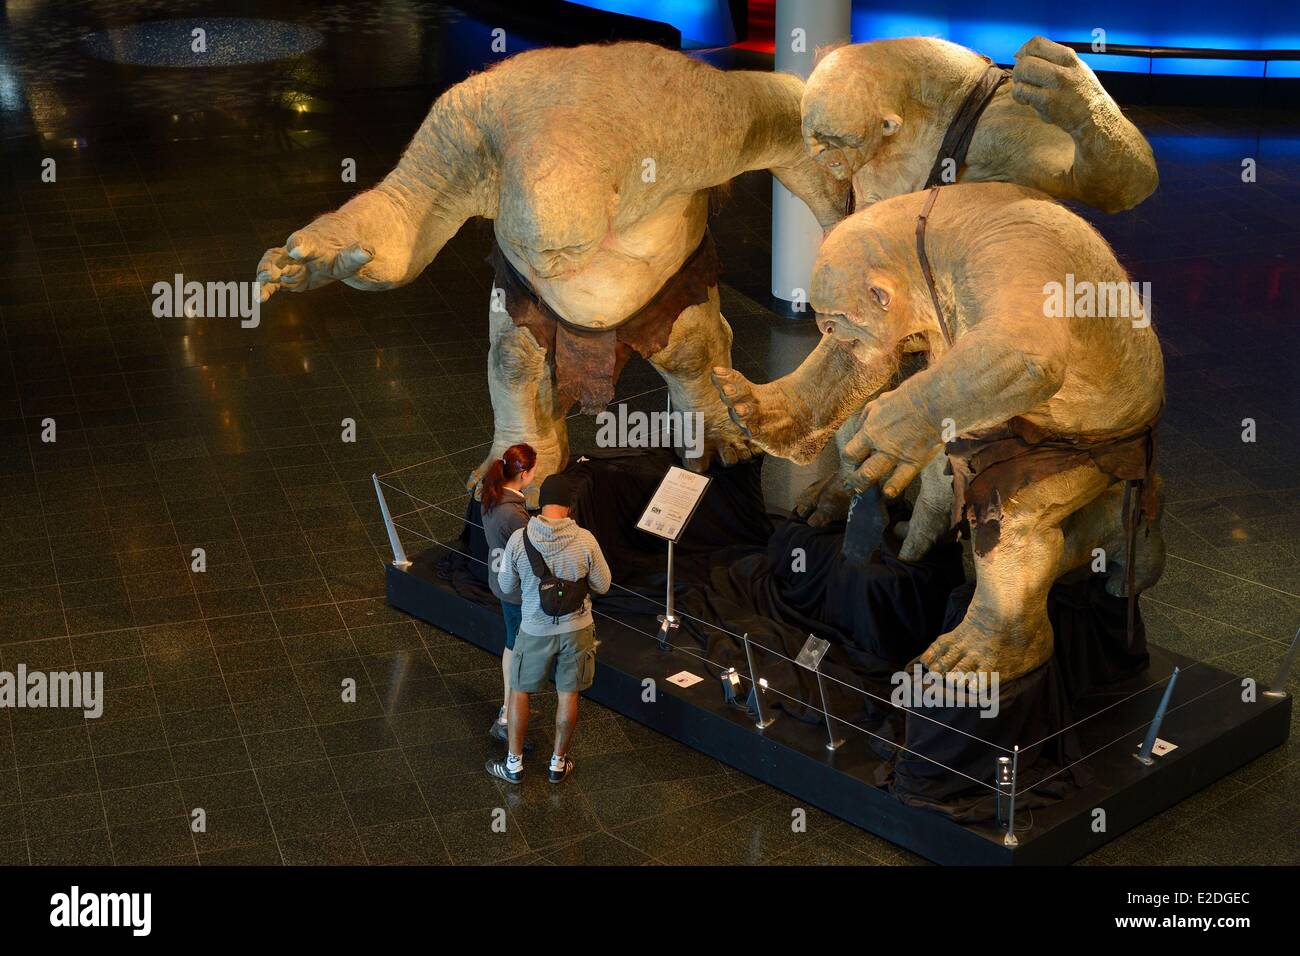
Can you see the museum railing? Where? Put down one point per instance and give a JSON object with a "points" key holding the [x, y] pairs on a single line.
{"points": [[1153, 53], [1003, 781]]}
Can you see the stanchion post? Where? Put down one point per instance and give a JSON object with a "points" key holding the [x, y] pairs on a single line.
{"points": [[832, 742], [399, 554], [754, 693], [1144, 754], [1002, 777], [668, 621], [1284, 669], [1011, 839]]}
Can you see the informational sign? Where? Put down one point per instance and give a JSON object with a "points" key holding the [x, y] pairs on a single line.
{"points": [[812, 652], [673, 503]]}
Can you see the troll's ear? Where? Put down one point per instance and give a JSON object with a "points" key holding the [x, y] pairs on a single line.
{"points": [[882, 294], [890, 124]]}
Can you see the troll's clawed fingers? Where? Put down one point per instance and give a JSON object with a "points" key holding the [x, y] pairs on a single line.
{"points": [[901, 478], [271, 270], [1036, 71], [272, 263], [350, 261], [734, 389], [1046, 49], [872, 471]]}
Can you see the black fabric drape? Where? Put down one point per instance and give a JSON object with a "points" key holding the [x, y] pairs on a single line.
{"points": [[744, 571]]}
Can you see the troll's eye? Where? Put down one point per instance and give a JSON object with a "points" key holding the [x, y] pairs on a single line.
{"points": [[829, 321], [568, 252], [882, 296], [834, 141]]}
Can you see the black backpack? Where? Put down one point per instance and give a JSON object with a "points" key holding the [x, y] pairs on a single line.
{"points": [[559, 596]]}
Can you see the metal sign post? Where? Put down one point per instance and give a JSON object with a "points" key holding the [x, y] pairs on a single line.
{"points": [[666, 516], [399, 554], [810, 657], [1011, 839], [1284, 669], [1144, 754], [755, 692], [667, 620]]}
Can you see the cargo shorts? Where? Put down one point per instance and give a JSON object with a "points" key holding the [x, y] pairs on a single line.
{"points": [[573, 655]]}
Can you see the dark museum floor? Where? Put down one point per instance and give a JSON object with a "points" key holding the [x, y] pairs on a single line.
{"points": [[223, 687]]}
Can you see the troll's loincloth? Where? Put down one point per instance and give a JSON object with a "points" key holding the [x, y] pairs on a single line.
{"points": [[588, 361], [990, 466]]}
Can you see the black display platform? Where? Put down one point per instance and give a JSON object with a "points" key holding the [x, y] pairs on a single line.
{"points": [[1214, 730]]}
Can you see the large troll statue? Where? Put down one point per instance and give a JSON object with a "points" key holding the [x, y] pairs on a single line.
{"points": [[890, 115], [878, 112], [595, 164], [1046, 398]]}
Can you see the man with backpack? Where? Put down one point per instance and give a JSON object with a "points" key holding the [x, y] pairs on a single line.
{"points": [[555, 564]]}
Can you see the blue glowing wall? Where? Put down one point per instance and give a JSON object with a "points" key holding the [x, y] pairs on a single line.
{"points": [[700, 21], [999, 28]]}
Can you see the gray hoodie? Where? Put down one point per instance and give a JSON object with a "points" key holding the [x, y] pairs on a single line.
{"points": [[571, 552]]}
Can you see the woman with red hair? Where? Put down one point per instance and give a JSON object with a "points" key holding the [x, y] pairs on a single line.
{"points": [[503, 512]]}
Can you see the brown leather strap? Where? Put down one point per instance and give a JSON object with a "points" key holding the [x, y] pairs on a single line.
{"points": [[921, 221], [961, 129], [957, 140], [956, 143]]}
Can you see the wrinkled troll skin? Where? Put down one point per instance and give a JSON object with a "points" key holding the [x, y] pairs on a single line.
{"points": [[993, 247], [553, 146], [877, 113]]}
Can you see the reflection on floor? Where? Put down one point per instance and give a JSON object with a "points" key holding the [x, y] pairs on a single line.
{"points": [[175, 433]]}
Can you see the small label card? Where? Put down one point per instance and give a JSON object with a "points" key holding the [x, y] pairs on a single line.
{"points": [[1160, 747], [814, 649], [684, 679]]}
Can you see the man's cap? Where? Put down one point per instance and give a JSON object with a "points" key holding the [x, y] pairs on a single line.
{"points": [[556, 490]]}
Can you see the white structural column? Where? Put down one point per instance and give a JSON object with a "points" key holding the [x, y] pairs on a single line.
{"points": [[801, 27], [788, 345]]}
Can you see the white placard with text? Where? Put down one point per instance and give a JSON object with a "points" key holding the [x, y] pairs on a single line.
{"points": [[673, 503]]}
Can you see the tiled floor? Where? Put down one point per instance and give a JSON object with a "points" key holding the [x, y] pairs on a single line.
{"points": [[174, 434]]}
